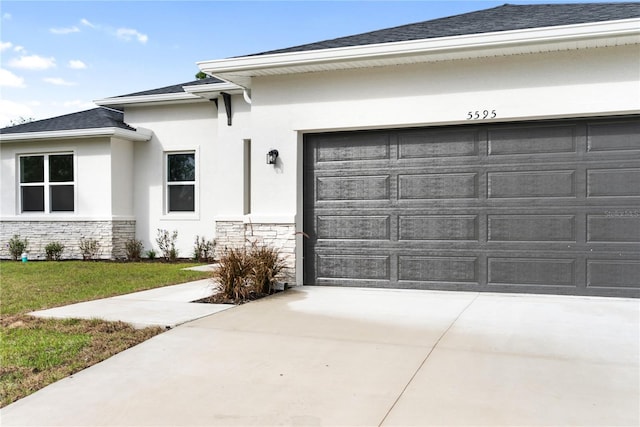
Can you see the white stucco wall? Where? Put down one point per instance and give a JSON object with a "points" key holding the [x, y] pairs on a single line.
{"points": [[575, 83], [182, 127], [122, 182]]}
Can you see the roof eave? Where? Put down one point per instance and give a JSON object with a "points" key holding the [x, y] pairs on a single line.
{"points": [[194, 93], [159, 99], [212, 91], [597, 34], [140, 134]]}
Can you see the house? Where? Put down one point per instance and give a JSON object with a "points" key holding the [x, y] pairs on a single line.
{"points": [[497, 150]]}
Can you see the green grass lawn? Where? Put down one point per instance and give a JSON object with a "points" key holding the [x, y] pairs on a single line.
{"points": [[36, 352]]}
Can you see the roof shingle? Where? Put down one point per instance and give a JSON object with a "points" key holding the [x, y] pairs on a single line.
{"points": [[502, 18], [95, 118], [173, 88]]}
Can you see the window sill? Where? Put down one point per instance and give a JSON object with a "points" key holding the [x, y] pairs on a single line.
{"points": [[180, 217]]}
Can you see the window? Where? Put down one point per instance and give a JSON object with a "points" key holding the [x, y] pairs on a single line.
{"points": [[47, 183], [181, 182]]}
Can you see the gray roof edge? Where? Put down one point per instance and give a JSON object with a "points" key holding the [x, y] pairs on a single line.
{"points": [[95, 118], [500, 18]]}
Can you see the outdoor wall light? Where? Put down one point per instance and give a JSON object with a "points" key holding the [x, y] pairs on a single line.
{"points": [[272, 156]]}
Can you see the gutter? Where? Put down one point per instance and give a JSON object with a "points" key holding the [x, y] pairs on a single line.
{"points": [[597, 34], [194, 93], [141, 134]]}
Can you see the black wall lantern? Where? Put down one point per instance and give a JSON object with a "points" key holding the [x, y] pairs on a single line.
{"points": [[272, 157]]}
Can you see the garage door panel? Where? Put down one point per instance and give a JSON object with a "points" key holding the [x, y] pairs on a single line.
{"points": [[610, 228], [531, 228], [613, 182], [354, 227], [438, 227], [353, 266], [438, 186], [529, 184], [531, 271], [438, 269], [356, 147], [614, 136], [438, 144], [613, 273], [353, 188], [532, 140]]}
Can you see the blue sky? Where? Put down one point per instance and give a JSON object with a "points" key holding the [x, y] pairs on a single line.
{"points": [[57, 57]]}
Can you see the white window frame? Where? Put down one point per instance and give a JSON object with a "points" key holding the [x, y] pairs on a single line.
{"points": [[46, 184], [195, 183]]}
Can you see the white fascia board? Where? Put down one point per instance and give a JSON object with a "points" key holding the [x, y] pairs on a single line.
{"points": [[212, 91], [472, 45], [164, 98], [194, 93], [139, 135]]}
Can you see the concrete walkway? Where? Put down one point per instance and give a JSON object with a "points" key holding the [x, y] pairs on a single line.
{"points": [[316, 356], [166, 307]]}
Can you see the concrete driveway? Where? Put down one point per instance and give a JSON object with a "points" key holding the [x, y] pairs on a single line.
{"points": [[316, 356]]}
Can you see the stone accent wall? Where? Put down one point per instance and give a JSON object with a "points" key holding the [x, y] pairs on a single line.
{"points": [[121, 232], [111, 235], [237, 234]]}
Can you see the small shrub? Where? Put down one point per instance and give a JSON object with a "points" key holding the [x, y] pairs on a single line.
{"points": [[54, 251], [267, 267], [167, 244], [17, 246], [232, 273], [151, 254], [203, 249], [248, 273], [89, 248], [134, 249]]}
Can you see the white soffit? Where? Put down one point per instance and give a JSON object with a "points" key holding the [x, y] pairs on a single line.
{"points": [[535, 40], [141, 134]]}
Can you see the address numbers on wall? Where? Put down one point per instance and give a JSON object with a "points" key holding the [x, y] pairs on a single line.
{"points": [[481, 114]]}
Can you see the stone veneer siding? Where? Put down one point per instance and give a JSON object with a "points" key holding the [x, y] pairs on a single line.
{"points": [[238, 234], [112, 236]]}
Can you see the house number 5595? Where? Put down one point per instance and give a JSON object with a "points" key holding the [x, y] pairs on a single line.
{"points": [[481, 115]]}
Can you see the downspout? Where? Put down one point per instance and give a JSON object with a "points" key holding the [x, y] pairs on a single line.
{"points": [[246, 95]]}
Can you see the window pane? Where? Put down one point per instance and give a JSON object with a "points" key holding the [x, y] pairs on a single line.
{"points": [[33, 199], [32, 169], [61, 168], [182, 167], [61, 198], [181, 198]]}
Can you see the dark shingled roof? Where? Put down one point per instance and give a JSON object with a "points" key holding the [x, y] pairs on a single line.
{"points": [[174, 88], [96, 118], [501, 18]]}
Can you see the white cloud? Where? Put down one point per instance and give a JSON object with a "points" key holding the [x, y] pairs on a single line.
{"points": [[76, 64], [67, 30], [5, 45], [33, 62], [10, 110], [87, 23], [8, 79], [128, 34], [58, 81], [20, 49], [6, 16]]}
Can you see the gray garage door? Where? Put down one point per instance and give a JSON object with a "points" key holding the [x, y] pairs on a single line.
{"points": [[544, 207]]}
